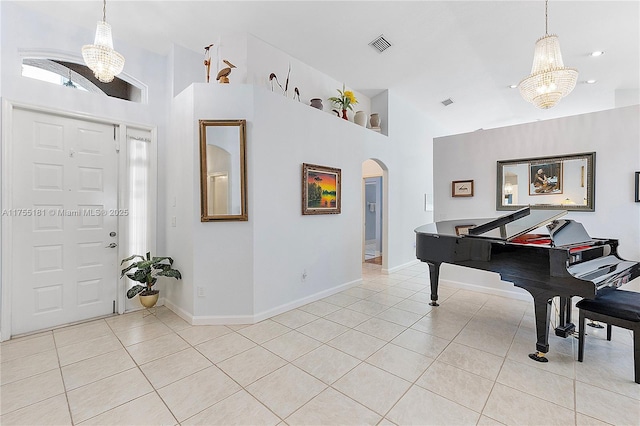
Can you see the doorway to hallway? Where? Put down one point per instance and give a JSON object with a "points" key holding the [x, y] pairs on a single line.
{"points": [[373, 220], [373, 216]]}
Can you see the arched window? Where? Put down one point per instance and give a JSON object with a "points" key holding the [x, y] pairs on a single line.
{"points": [[78, 76]]}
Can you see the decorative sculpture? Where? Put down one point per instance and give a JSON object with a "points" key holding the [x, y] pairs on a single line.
{"points": [[272, 77], [223, 75], [207, 59], [284, 89]]}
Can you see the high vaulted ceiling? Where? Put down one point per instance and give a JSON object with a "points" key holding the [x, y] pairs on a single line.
{"points": [[469, 51]]}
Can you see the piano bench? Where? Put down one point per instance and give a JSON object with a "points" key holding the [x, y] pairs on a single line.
{"points": [[613, 307]]}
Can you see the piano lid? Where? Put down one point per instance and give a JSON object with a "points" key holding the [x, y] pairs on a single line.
{"points": [[518, 223], [505, 227]]}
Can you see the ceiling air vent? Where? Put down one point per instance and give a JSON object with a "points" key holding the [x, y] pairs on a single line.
{"points": [[447, 102], [380, 44]]}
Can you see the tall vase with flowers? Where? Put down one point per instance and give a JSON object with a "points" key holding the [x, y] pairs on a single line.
{"points": [[344, 101]]}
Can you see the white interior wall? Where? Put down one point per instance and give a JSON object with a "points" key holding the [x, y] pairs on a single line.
{"points": [[223, 251], [410, 178], [613, 134], [252, 270], [287, 244], [176, 199], [186, 67]]}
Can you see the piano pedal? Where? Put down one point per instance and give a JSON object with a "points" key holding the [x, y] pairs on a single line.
{"points": [[595, 324], [538, 356]]}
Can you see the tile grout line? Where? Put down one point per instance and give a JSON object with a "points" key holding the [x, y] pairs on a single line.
{"points": [[64, 386]]}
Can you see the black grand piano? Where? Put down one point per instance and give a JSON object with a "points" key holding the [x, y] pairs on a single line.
{"points": [[566, 262]]}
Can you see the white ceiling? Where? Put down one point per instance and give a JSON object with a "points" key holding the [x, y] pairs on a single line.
{"points": [[469, 51]]}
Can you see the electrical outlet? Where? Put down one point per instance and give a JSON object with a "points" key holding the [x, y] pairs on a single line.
{"points": [[200, 291], [173, 221]]}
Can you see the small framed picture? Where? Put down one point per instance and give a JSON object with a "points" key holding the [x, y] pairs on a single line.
{"points": [[637, 187], [462, 188], [463, 229]]}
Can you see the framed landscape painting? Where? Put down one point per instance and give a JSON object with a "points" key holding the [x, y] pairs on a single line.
{"points": [[320, 189]]}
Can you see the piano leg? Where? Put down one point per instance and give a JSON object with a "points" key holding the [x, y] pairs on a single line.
{"points": [[434, 276], [542, 308], [562, 311], [565, 327]]}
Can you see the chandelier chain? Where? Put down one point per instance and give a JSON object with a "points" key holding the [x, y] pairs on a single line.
{"points": [[546, 17], [104, 10]]}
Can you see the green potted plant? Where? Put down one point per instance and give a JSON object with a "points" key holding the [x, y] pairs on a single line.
{"points": [[146, 271]]}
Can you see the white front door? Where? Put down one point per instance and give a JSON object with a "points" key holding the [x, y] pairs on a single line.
{"points": [[64, 220]]}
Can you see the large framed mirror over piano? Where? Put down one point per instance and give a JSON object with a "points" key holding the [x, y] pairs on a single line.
{"points": [[565, 182], [562, 260]]}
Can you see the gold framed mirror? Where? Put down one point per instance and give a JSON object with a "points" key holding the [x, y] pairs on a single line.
{"points": [[564, 182], [223, 182]]}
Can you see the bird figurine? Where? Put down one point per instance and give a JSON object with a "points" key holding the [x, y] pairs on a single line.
{"points": [[207, 59], [223, 75], [272, 77]]}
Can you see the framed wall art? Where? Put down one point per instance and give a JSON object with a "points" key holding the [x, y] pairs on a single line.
{"points": [[462, 188], [637, 187], [321, 192], [545, 178]]}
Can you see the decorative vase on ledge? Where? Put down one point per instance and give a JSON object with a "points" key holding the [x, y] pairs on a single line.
{"points": [[360, 118], [344, 114], [316, 103], [375, 120]]}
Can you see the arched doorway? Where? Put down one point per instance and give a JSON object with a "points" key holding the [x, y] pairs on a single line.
{"points": [[374, 212]]}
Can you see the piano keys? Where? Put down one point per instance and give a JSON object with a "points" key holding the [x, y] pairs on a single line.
{"points": [[565, 263]]}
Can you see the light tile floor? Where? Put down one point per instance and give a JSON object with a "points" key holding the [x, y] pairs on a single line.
{"points": [[373, 354]]}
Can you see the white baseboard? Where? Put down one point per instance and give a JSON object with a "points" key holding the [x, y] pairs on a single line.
{"points": [[223, 319], [252, 319], [303, 301], [397, 268], [517, 293], [179, 311]]}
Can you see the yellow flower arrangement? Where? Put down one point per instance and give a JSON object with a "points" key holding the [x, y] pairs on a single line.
{"points": [[345, 100]]}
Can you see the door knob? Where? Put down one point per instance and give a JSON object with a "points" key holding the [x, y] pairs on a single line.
{"points": [[112, 245]]}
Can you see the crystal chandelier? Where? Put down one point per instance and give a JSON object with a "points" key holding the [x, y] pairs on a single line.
{"points": [[100, 56], [549, 81]]}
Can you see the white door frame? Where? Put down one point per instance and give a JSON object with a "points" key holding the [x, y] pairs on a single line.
{"points": [[6, 182]]}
